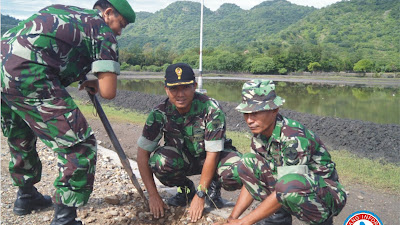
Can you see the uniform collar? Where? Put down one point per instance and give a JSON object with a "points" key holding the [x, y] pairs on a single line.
{"points": [[171, 110], [99, 12], [276, 133]]}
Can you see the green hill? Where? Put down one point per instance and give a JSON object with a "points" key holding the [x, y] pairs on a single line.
{"points": [[353, 30], [273, 37], [8, 22], [178, 25]]}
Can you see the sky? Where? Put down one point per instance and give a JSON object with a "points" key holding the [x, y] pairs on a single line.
{"points": [[22, 9]]}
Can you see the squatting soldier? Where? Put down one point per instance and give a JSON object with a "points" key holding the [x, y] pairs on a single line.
{"points": [[40, 57], [193, 127], [288, 169]]}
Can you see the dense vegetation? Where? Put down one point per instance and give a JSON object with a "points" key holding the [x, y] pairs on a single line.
{"points": [[8, 22], [272, 37], [178, 25], [359, 35]]}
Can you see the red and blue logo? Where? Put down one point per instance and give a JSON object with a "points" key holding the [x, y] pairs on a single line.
{"points": [[363, 218]]}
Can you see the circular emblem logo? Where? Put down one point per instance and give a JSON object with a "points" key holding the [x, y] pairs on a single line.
{"points": [[363, 218]]}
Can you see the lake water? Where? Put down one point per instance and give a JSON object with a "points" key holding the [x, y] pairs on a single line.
{"points": [[375, 104]]}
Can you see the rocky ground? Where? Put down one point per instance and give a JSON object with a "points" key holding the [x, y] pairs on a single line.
{"points": [[115, 201]]}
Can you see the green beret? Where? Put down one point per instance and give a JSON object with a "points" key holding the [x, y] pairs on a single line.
{"points": [[123, 7]]}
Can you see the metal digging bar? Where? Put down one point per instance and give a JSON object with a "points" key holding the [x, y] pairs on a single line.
{"points": [[117, 146]]}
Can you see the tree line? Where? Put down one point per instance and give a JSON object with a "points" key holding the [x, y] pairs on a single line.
{"points": [[299, 57], [274, 37]]}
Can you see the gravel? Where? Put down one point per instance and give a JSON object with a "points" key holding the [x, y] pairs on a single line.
{"points": [[114, 199]]}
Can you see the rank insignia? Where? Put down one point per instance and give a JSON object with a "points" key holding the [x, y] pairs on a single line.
{"points": [[178, 72]]}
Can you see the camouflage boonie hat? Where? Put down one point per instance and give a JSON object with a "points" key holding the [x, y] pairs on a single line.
{"points": [[259, 95]]}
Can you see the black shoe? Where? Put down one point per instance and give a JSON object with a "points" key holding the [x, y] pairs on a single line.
{"points": [[327, 222], [64, 215], [28, 199], [280, 217], [214, 199], [184, 198]]}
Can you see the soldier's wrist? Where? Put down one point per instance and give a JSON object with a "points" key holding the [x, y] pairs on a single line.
{"points": [[201, 191]]}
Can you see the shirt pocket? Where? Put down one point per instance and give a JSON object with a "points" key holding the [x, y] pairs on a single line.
{"points": [[196, 139]]}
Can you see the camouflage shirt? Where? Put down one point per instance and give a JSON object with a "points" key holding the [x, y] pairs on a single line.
{"points": [[201, 129], [292, 145], [53, 48]]}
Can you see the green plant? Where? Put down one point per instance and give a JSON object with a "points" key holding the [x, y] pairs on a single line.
{"points": [[282, 71]]}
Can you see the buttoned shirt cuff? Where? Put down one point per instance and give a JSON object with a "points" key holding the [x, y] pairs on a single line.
{"points": [[147, 144], [214, 146], [101, 66]]}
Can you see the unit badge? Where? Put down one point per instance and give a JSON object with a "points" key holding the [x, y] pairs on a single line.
{"points": [[178, 72]]}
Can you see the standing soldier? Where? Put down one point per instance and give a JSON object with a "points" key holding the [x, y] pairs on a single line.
{"points": [[288, 169], [193, 127], [40, 57]]}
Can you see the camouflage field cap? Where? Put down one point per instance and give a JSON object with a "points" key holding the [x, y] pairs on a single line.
{"points": [[259, 95], [179, 74], [123, 7]]}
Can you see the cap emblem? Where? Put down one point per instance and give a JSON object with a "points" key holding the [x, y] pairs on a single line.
{"points": [[178, 72]]}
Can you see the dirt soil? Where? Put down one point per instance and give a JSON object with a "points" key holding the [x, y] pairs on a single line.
{"points": [[113, 201], [112, 185]]}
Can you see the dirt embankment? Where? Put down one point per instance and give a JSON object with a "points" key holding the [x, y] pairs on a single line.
{"points": [[364, 139]]}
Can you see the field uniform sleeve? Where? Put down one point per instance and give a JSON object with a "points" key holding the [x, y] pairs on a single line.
{"points": [[215, 127], [106, 54], [152, 131]]}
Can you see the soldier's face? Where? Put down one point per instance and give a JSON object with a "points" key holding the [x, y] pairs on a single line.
{"points": [[181, 96], [116, 23], [262, 122]]}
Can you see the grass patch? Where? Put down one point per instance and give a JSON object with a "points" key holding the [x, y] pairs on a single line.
{"points": [[120, 115], [351, 168], [240, 140]]}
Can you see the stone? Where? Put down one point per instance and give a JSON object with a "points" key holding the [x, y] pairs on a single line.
{"points": [[113, 200]]}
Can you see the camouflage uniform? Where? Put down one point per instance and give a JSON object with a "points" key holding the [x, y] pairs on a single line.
{"points": [[186, 140], [40, 57], [293, 162]]}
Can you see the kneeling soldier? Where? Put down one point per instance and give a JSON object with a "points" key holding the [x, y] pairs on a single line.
{"points": [[193, 127], [288, 169]]}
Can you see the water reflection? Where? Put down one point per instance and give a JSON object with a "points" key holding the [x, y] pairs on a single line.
{"points": [[379, 105]]}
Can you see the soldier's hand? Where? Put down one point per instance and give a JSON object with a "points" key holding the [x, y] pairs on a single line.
{"points": [[157, 206], [231, 222], [92, 86], [196, 208]]}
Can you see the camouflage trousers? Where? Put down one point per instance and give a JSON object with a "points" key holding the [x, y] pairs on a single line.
{"points": [[61, 126], [172, 167], [309, 197]]}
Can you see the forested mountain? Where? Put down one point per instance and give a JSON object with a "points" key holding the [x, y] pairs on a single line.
{"points": [[8, 22], [355, 35], [178, 25], [352, 30], [275, 36]]}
